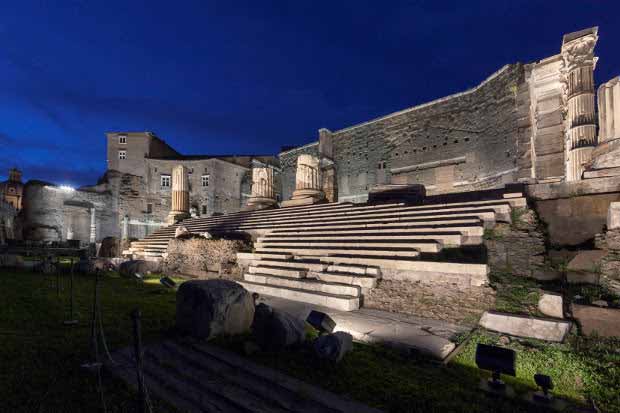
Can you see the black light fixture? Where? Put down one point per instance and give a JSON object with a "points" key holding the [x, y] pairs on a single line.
{"points": [[167, 282], [321, 321], [499, 361]]}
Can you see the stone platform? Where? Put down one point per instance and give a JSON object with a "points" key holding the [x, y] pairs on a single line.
{"points": [[431, 337]]}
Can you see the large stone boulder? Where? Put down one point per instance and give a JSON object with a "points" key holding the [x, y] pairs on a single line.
{"points": [[181, 232], [210, 308], [273, 330], [551, 305], [129, 268], [604, 322], [334, 346], [523, 326], [109, 248]]}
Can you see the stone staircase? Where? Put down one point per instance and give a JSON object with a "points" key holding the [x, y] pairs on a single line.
{"points": [[331, 254]]}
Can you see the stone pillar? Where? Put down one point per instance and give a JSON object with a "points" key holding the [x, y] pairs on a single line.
{"points": [[180, 195], [125, 231], [308, 182], [580, 116], [262, 189], [93, 226], [607, 153]]}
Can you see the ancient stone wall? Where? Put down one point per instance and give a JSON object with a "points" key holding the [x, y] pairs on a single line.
{"points": [[461, 142], [8, 215], [609, 266], [51, 213], [518, 248]]}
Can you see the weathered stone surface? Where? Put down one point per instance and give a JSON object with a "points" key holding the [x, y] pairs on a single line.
{"points": [[274, 330], [610, 263], [613, 216], [129, 268], [109, 247], [522, 326], [586, 261], [518, 247], [200, 254], [551, 305], [582, 277], [596, 320], [211, 308], [334, 346], [181, 232]]}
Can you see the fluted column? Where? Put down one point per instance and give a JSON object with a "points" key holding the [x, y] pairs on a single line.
{"points": [[580, 115], [180, 195], [308, 178], [93, 226], [263, 195], [609, 110]]}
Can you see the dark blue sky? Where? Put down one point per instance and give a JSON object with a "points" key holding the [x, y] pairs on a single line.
{"points": [[248, 77]]}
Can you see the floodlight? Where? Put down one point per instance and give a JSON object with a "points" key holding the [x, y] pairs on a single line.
{"points": [[498, 360], [546, 384], [66, 188], [167, 282], [321, 321], [138, 276]]}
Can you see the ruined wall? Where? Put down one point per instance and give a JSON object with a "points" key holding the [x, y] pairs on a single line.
{"points": [[519, 247], [466, 141], [8, 215], [50, 211]]}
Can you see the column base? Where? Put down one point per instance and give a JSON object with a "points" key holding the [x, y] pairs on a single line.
{"points": [[175, 217], [304, 197], [258, 203]]}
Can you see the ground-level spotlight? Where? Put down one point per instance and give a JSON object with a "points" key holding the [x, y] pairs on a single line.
{"points": [[498, 361], [167, 282], [543, 397], [321, 321]]}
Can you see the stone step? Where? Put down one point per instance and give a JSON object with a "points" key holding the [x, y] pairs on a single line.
{"points": [[253, 256], [308, 266], [485, 213], [360, 280], [487, 217], [474, 230], [444, 238], [477, 272], [313, 285], [338, 302], [279, 271], [313, 252], [419, 245], [355, 269]]}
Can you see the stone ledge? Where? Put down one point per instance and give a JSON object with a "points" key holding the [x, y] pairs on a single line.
{"points": [[523, 326]]}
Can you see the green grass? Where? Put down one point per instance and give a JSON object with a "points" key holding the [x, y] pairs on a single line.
{"points": [[515, 294], [40, 358]]}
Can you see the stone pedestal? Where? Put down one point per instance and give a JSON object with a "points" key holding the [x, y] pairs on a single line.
{"points": [[263, 196], [180, 196], [580, 120], [308, 182]]}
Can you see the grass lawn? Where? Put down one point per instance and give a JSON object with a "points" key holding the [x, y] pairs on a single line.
{"points": [[40, 358]]}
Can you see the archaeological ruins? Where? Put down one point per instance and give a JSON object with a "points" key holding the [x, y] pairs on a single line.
{"points": [[538, 137]]}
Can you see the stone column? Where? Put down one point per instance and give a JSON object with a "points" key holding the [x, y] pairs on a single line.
{"points": [[180, 195], [580, 117], [262, 189], [93, 226], [125, 231], [308, 178], [607, 153]]}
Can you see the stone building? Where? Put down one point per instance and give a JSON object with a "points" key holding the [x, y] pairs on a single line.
{"points": [[532, 123], [11, 190]]}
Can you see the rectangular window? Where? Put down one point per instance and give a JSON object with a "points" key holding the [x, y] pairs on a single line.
{"points": [[204, 210], [149, 208], [122, 139], [205, 180], [122, 154], [165, 181]]}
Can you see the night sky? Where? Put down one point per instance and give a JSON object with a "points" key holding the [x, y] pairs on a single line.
{"points": [[235, 77]]}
